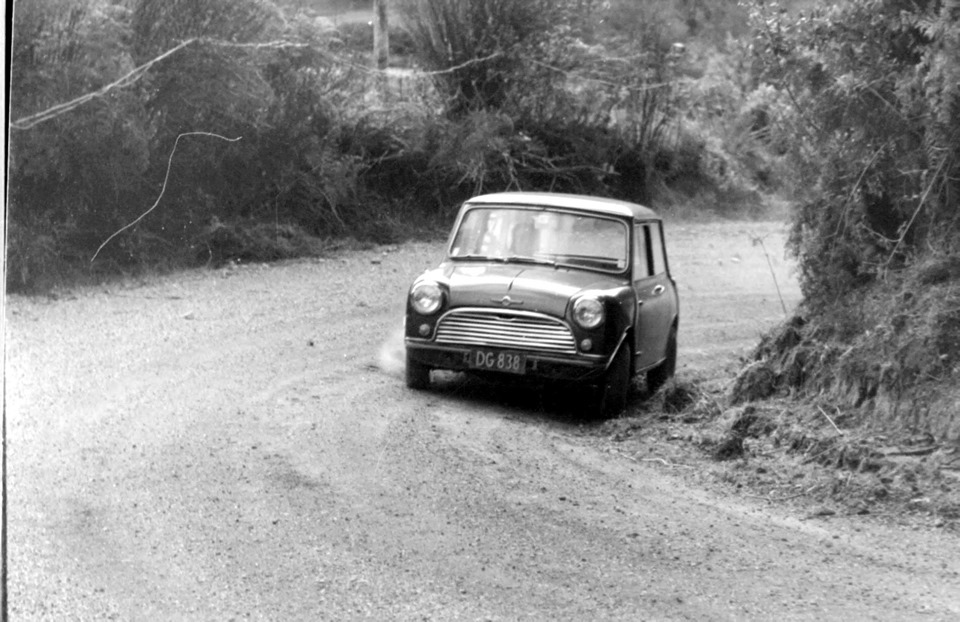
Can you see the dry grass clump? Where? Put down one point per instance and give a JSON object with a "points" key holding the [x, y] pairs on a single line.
{"points": [[224, 242], [784, 450], [809, 453]]}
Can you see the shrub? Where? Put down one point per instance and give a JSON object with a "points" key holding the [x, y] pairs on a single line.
{"points": [[221, 243], [477, 47]]}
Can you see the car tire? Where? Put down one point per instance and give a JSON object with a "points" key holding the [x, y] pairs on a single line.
{"points": [[658, 376], [615, 386], [417, 374]]}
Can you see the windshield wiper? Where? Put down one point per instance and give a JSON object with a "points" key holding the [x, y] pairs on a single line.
{"points": [[476, 257], [508, 259], [527, 259]]}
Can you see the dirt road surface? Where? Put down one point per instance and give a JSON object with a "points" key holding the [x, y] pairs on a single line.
{"points": [[238, 444]]}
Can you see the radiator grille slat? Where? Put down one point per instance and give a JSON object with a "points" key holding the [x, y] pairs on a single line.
{"points": [[506, 329]]}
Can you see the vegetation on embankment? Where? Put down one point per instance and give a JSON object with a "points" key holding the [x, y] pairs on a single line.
{"points": [[869, 113]]}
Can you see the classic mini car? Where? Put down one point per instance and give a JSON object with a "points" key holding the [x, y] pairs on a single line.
{"points": [[549, 287]]}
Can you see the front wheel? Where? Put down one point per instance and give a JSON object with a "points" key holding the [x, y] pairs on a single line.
{"points": [[417, 374], [615, 386], [658, 376]]}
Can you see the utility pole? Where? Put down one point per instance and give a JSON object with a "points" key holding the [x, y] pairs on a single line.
{"points": [[381, 37]]}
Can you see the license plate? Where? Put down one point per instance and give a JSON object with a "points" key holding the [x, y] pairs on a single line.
{"points": [[489, 360]]}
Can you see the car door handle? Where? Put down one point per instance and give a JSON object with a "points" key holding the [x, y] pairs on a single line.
{"points": [[659, 289]]}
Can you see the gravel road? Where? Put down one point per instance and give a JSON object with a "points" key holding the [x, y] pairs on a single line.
{"points": [[238, 444]]}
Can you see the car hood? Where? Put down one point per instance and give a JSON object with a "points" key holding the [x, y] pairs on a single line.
{"points": [[542, 289]]}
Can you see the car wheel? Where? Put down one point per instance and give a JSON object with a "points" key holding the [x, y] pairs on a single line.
{"points": [[615, 386], [658, 376], [417, 374]]}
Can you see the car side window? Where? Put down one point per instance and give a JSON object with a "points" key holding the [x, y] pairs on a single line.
{"points": [[641, 259], [656, 248]]}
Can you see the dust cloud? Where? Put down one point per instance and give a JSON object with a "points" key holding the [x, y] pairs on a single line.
{"points": [[390, 359]]}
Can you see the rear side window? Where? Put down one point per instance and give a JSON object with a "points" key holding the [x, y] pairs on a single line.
{"points": [[657, 253], [641, 254]]}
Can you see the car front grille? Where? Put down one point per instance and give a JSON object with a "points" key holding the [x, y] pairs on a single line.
{"points": [[518, 330]]}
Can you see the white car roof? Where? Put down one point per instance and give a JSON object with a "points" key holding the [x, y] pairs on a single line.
{"points": [[573, 201]]}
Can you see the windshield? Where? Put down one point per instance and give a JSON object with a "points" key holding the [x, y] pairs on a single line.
{"points": [[542, 236]]}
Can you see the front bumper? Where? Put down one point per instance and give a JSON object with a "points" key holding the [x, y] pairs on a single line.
{"points": [[539, 366]]}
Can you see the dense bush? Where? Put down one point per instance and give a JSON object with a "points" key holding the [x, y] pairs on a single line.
{"points": [[875, 127], [153, 133], [209, 70], [77, 174]]}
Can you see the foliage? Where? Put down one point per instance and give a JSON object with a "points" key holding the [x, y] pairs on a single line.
{"points": [[593, 87], [699, 22], [477, 47], [876, 130], [209, 86], [76, 174], [874, 127], [84, 174], [566, 96]]}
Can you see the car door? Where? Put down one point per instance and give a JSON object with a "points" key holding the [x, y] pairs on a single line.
{"points": [[655, 293]]}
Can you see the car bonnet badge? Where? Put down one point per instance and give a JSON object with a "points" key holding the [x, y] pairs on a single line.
{"points": [[507, 301]]}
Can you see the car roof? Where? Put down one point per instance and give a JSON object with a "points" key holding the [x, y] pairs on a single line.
{"points": [[584, 202]]}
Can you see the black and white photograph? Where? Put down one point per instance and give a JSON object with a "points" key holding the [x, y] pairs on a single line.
{"points": [[481, 310]]}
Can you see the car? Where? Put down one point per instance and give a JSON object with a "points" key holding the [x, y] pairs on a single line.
{"points": [[549, 287]]}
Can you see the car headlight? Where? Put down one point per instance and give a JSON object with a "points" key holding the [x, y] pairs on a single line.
{"points": [[588, 312], [426, 297]]}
